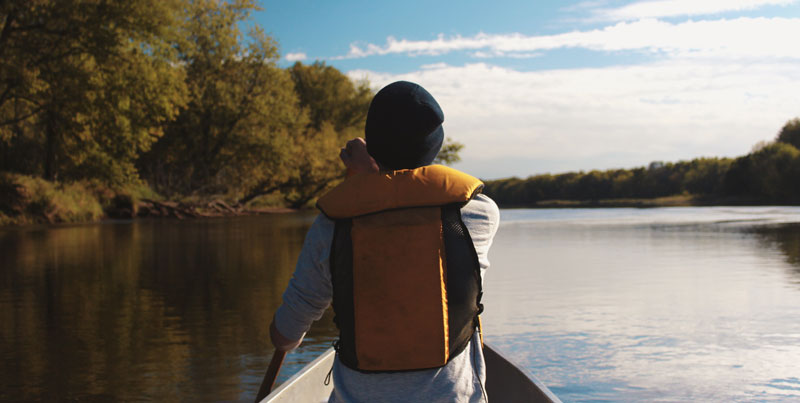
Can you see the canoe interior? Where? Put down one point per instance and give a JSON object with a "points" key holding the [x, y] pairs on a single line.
{"points": [[308, 385], [505, 382], [511, 383]]}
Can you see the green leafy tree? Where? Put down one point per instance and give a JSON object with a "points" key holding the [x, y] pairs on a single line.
{"points": [[448, 155], [332, 97], [706, 175], [319, 168], [769, 174], [236, 131], [337, 110], [790, 133], [85, 85]]}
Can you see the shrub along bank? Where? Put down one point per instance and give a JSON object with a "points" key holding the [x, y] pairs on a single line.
{"points": [[31, 200]]}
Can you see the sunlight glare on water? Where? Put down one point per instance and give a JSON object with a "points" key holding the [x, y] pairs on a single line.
{"points": [[650, 304]]}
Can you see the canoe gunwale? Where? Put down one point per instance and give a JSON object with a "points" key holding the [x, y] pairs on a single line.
{"points": [[307, 385], [283, 392]]}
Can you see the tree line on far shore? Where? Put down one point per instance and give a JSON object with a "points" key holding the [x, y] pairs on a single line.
{"points": [[770, 174]]}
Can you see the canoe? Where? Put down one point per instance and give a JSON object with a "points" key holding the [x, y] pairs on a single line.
{"points": [[505, 382]]}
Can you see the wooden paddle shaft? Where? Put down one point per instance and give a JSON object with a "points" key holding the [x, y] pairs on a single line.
{"points": [[271, 375]]}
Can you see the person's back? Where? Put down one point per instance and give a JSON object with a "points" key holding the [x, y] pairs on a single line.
{"points": [[401, 254]]}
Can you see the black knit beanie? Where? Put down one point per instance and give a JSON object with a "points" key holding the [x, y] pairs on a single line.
{"points": [[404, 126]]}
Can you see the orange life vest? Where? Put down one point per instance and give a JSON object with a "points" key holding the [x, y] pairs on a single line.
{"points": [[405, 274]]}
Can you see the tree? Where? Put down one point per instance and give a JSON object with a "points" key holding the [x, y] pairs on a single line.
{"points": [[448, 155], [330, 96], [705, 176], [774, 173], [337, 110], [85, 85], [790, 133], [236, 132], [767, 175]]}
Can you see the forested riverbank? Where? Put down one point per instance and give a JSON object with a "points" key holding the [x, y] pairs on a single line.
{"points": [[171, 108], [105, 104], [770, 174], [162, 108], [109, 109]]}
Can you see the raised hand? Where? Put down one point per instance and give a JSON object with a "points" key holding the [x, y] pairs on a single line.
{"points": [[355, 157]]}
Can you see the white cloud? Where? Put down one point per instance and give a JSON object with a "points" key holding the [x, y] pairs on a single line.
{"points": [[735, 38], [295, 57], [523, 55], [519, 123], [439, 65], [675, 8], [512, 55]]}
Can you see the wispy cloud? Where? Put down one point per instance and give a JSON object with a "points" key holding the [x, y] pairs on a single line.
{"points": [[440, 65], [676, 8], [728, 38], [515, 123], [295, 57], [511, 55]]}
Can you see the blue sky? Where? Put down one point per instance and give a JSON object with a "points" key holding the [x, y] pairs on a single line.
{"points": [[532, 87]]}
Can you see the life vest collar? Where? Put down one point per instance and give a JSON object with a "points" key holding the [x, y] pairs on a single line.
{"points": [[428, 186]]}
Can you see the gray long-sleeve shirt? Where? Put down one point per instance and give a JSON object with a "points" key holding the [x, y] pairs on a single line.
{"points": [[310, 292]]}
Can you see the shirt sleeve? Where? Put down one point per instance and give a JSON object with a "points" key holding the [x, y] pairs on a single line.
{"points": [[482, 218], [309, 292]]}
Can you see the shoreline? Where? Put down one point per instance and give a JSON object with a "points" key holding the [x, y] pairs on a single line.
{"points": [[217, 208], [214, 208], [147, 209], [669, 201], [27, 200]]}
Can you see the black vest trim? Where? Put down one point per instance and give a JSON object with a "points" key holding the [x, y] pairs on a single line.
{"points": [[341, 266], [463, 280]]}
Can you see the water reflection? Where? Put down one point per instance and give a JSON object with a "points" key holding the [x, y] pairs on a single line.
{"points": [[639, 305], [146, 310], [607, 304], [786, 239]]}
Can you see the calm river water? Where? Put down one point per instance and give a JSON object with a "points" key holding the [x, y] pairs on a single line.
{"points": [[666, 304]]}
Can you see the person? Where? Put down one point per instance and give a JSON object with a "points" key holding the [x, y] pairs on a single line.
{"points": [[399, 249]]}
